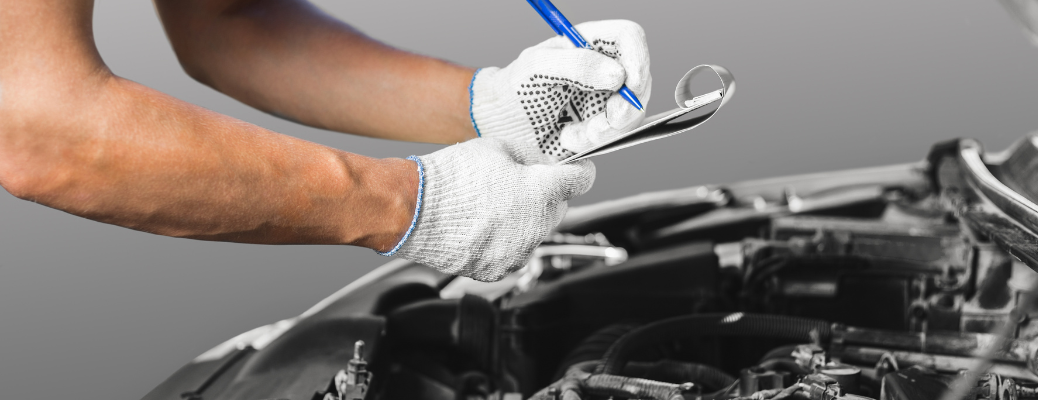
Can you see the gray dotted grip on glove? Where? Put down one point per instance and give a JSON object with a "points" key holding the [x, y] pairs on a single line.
{"points": [[563, 99]]}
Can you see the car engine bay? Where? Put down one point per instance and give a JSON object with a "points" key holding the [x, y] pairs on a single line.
{"points": [[904, 282], [882, 293]]}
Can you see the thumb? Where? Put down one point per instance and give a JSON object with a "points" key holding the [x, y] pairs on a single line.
{"points": [[570, 180], [619, 117], [577, 137]]}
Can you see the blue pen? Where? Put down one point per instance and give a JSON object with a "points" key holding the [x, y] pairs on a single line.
{"points": [[561, 26]]}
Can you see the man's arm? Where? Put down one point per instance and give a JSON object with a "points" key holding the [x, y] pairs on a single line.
{"points": [[77, 138], [288, 58]]}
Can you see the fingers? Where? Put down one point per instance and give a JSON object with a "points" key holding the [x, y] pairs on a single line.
{"points": [[619, 117], [585, 69], [561, 183], [522, 153], [578, 178], [558, 182], [626, 41], [576, 137]]}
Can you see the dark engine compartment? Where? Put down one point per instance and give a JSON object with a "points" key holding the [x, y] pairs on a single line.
{"points": [[874, 299], [875, 283]]}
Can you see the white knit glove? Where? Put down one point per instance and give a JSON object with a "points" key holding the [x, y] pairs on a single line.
{"points": [[555, 88], [485, 204]]}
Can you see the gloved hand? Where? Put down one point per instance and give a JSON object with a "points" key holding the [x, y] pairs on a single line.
{"points": [[563, 99], [485, 204]]}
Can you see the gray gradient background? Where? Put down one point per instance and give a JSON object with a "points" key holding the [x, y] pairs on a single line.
{"points": [[94, 311]]}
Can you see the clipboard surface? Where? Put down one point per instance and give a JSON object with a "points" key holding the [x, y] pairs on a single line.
{"points": [[660, 125]]}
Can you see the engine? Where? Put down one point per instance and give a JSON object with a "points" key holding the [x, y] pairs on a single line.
{"points": [[906, 282], [866, 289]]}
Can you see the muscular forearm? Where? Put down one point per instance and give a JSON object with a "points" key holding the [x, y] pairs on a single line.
{"points": [[77, 138], [121, 153], [288, 58]]}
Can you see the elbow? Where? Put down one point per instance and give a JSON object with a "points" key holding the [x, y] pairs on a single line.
{"points": [[194, 63], [19, 173], [201, 39], [189, 27], [192, 42], [18, 185], [16, 179], [45, 116], [37, 139]]}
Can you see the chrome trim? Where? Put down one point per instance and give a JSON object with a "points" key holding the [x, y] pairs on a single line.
{"points": [[536, 266], [1001, 196]]}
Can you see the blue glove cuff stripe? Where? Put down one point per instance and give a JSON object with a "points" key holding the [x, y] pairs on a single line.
{"points": [[417, 208], [471, 99]]}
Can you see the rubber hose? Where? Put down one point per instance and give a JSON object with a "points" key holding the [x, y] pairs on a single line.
{"points": [[580, 379], [467, 323], [634, 388], [784, 364], [594, 347], [680, 372], [735, 324], [477, 319], [780, 352]]}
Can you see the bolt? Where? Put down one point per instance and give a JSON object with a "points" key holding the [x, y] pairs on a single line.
{"points": [[358, 350], [918, 312]]}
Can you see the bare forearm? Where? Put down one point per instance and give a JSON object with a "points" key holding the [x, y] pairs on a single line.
{"points": [[134, 157], [288, 58]]}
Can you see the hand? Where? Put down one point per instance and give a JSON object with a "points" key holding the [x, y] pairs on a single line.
{"points": [[563, 99], [486, 204]]}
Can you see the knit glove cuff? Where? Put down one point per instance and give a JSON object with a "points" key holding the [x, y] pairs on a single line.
{"points": [[441, 234]]}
